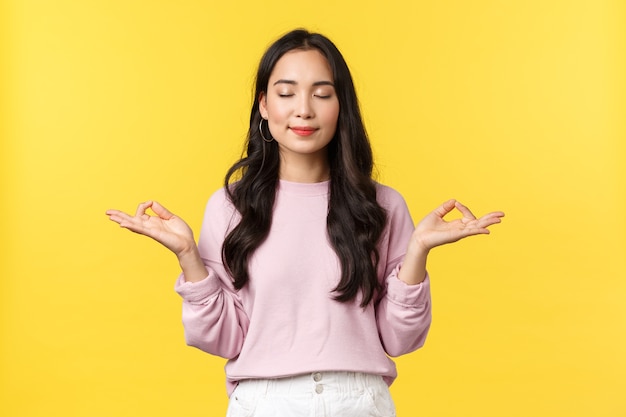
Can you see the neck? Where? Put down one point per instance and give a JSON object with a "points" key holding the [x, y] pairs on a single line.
{"points": [[308, 170]]}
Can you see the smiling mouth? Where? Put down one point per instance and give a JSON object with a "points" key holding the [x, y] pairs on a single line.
{"points": [[303, 131]]}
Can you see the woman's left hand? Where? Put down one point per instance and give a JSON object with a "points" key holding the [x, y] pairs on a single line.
{"points": [[434, 231]]}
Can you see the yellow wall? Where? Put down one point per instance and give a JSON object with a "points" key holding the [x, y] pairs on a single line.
{"points": [[513, 106]]}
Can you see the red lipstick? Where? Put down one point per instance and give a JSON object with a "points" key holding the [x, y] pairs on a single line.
{"points": [[303, 130]]}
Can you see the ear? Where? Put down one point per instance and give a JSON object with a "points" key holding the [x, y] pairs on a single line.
{"points": [[263, 105]]}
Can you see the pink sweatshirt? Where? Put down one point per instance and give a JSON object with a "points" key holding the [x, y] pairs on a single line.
{"points": [[285, 322]]}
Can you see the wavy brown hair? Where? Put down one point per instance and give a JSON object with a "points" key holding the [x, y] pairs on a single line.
{"points": [[355, 220]]}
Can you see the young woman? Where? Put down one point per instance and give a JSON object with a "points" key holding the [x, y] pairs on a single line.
{"points": [[307, 274]]}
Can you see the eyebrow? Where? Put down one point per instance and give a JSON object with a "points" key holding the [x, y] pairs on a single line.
{"points": [[315, 84]]}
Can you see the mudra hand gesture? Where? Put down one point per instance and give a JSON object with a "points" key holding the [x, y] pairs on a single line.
{"points": [[173, 233], [434, 231], [166, 228]]}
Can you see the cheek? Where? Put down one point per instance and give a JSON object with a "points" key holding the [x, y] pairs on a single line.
{"points": [[331, 116], [276, 112]]}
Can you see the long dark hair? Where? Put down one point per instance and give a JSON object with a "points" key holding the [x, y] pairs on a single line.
{"points": [[355, 219]]}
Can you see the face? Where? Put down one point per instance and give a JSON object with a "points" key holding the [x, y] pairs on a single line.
{"points": [[301, 105]]}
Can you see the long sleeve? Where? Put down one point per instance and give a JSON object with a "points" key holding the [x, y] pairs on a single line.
{"points": [[285, 321], [213, 315], [403, 312], [404, 315]]}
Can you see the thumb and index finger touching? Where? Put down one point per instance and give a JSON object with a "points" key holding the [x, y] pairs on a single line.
{"points": [[478, 225], [138, 222], [161, 211], [450, 205], [155, 206]]}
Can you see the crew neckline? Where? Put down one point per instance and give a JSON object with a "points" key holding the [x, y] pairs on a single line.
{"points": [[304, 188]]}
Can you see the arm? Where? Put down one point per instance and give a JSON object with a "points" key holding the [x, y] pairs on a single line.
{"points": [[404, 315], [434, 231], [213, 316], [167, 229], [404, 311]]}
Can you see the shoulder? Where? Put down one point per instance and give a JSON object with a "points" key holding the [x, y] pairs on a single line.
{"points": [[219, 214], [219, 203], [388, 197], [218, 198]]}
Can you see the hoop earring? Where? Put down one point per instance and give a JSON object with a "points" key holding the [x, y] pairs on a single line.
{"points": [[261, 131]]}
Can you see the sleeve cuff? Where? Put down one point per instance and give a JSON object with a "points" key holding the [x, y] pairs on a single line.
{"points": [[198, 292], [403, 294]]}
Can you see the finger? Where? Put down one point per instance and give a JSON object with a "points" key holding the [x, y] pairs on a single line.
{"points": [[161, 211], [445, 208], [141, 208], [115, 218], [473, 231], [133, 224], [491, 218], [488, 222], [116, 215], [121, 218], [123, 223], [465, 211], [478, 231], [497, 214]]}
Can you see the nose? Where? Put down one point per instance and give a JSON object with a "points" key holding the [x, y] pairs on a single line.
{"points": [[305, 108]]}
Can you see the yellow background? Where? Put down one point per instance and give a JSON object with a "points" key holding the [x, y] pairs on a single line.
{"points": [[506, 105]]}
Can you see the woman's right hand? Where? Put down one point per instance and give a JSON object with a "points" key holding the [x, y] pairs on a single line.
{"points": [[166, 228]]}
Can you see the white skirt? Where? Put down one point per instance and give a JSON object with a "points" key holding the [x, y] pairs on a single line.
{"points": [[319, 394]]}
